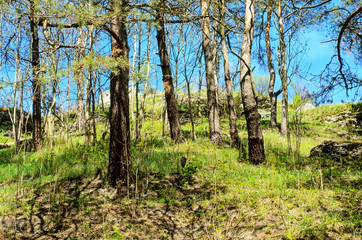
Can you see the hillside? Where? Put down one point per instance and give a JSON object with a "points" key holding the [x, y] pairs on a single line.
{"points": [[62, 193]]}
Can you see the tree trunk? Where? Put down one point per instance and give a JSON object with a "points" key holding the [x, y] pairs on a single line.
{"points": [[88, 100], [229, 91], [35, 63], [119, 167], [90, 85], [94, 109], [212, 99], [252, 116], [78, 75], [283, 72], [16, 121], [133, 79], [171, 104], [51, 111], [193, 133], [215, 47], [145, 86], [21, 108], [272, 95], [138, 82]]}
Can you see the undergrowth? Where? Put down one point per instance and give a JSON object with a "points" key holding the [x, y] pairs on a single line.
{"points": [[291, 196]]}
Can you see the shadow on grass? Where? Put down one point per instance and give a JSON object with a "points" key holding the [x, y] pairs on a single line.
{"points": [[54, 209], [84, 208], [6, 155]]}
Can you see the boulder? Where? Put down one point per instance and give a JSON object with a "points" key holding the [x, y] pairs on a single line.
{"points": [[264, 102], [306, 106], [8, 134], [346, 119], [264, 114], [5, 119], [352, 150]]}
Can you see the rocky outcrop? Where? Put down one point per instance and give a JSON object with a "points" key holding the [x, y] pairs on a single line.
{"points": [[306, 106], [346, 119], [352, 150], [5, 119]]}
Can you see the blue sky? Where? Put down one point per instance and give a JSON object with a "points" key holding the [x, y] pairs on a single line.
{"points": [[316, 57], [319, 54]]}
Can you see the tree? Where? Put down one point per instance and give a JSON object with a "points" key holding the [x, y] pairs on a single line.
{"points": [[212, 88], [229, 91], [297, 14], [345, 26], [252, 116], [145, 86], [119, 167], [187, 54], [171, 104], [272, 94], [35, 62], [353, 40], [282, 60], [78, 76]]}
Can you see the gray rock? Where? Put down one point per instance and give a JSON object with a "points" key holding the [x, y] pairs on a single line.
{"points": [[8, 134], [332, 149], [346, 119], [5, 119], [306, 106], [264, 113]]}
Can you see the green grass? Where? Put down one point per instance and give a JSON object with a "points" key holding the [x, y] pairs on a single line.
{"points": [[291, 196], [323, 111]]}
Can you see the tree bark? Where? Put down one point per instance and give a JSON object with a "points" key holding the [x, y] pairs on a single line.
{"points": [[283, 72], [88, 89], [133, 80], [145, 86], [212, 99], [78, 75], [229, 91], [171, 104], [119, 168], [193, 133], [35, 63], [272, 95], [138, 82], [215, 46], [94, 108], [252, 116]]}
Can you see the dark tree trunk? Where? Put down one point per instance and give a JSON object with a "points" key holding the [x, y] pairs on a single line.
{"points": [[171, 104], [35, 62], [272, 95], [255, 137], [119, 168], [93, 107], [229, 91], [212, 99]]}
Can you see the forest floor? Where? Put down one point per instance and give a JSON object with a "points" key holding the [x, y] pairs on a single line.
{"points": [[61, 193]]}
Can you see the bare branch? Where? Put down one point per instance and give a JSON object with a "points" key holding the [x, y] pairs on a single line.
{"points": [[345, 25], [330, 40], [49, 41], [304, 6]]}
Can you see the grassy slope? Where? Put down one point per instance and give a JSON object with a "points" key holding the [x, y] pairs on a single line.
{"points": [[218, 194]]}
